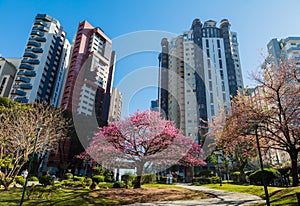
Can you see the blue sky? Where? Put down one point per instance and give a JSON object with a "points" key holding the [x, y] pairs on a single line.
{"points": [[255, 21]]}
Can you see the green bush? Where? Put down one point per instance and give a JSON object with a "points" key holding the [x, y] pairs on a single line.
{"points": [[108, 176], [205, 180], [46, 180], [105, 185], [33, 178], [68, 176], [215, 179], [118, 184], [128, 179], [87, 182], [71, 183], [149, 178], [20, 180], [80, 179], [269, 175], [98, 178], [204, 173], [235, 176], [163, 180], [99, 170], [40, 192]]}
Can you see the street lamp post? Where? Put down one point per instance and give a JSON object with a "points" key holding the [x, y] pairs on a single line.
{"points": [[262, 166], [39, 127]]}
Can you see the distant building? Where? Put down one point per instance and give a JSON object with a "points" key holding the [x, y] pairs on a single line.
{"points": [[199, 71], [88, 85], [284, 49], [8, 72], [154, 105], [115, 108], [44, 63]]}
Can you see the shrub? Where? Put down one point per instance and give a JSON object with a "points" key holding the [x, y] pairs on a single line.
{"points": [[235, 176], [149, 178], [68, 176], [215, 179], [163, 180], [20, 180], [80, 179], [269, 175], [118, 184], [40, 192], [205, 180], [98, 178], [99, 170], [105, 185], [128, 178], [108, 176], [46, 180], [33, 178], [205, 173], [87, 182]]}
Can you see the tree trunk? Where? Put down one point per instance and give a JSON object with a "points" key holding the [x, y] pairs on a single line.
{"points": [[294, 170], [242, 178], [139, 170]]}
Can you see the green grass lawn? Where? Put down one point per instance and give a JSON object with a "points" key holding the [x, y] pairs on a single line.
{"points": [[60, 197], [278, 195]]}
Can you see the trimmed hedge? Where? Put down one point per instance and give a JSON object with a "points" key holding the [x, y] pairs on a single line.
{"points": [[205, 180], [68, 176], [46, 180], [98, 178], [20, 180], [80, 179], [33, 178], [118, 184], [268, 175], [149, 178]]}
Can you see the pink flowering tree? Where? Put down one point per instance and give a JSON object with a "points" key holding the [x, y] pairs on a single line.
{"points": [[143, 139]]}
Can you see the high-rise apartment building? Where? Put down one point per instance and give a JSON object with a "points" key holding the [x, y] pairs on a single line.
{"points": [[88, 85], [44, 63], [115, 108], [199, 70], [284, 49], [8, 72]]}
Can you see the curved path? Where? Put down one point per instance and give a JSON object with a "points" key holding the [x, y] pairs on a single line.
{"points": [[221, 198]]}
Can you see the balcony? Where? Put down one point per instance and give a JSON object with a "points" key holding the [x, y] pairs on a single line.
{"points": [[37, 50], [23, 79], [40, 39], [27, 73], [40, 23], [30, 61], [40, 28], [21, 99], [39, 33], [25, 86], [18, 92], [33, 43], [26, 66], [27, 54]]}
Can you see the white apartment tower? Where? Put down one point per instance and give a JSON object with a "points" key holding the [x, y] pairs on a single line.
{"points": [[199, 70], [44, 63]]}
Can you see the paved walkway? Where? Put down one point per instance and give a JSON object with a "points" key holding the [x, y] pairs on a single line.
{"points": [[222, 198]]}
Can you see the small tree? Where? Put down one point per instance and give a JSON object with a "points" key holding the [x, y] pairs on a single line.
{"points": [[18, 131], [143, 139], [233, 137]]}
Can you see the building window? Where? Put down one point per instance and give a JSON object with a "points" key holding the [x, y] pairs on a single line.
{"points": [[219, 53], [218, 43], [208, 63], [207, 53], [210, 85], [220, 63], [2, 85], [211, 98], [222, 74], [207, 43], [209, 74]]}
